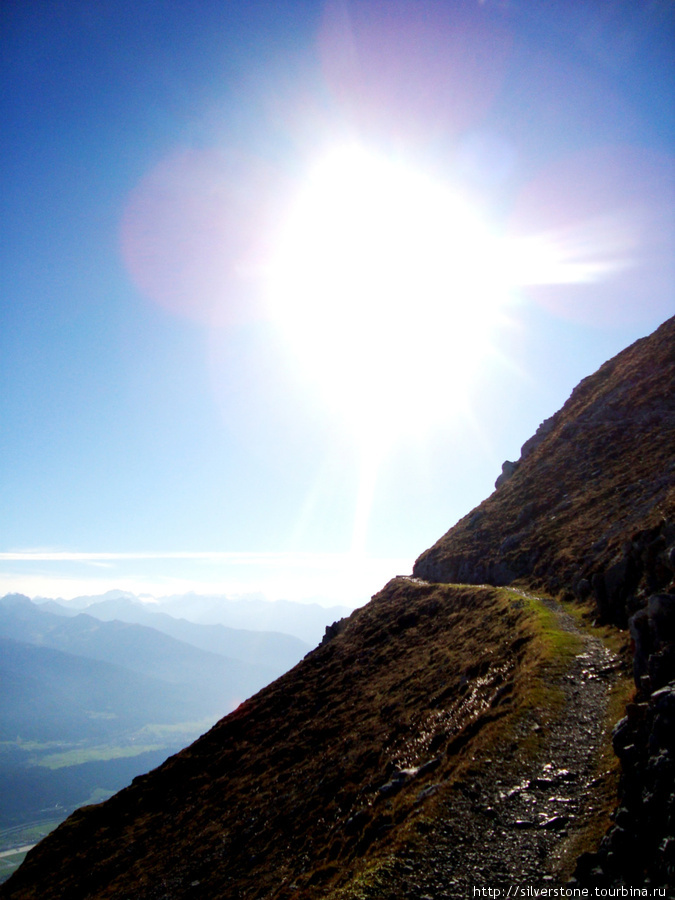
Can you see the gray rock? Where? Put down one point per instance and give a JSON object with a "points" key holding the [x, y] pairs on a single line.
{"points": [[582, 588], [661, 609], [641, 634], [508, 469], [536, 439], [332, 631]]}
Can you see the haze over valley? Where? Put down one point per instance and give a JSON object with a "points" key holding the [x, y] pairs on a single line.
{"points": [[100, 689]]}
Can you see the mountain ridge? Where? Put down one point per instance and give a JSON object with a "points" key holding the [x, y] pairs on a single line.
{"points": [[305, 621], [137, 647], [237, 643], [562, 532]]}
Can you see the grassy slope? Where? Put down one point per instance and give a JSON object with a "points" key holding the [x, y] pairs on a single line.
{"points": [[284, 796]]}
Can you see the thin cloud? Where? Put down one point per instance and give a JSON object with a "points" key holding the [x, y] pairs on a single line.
{"points": [[313, 560]]}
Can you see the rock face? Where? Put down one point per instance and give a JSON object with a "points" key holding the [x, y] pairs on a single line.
{"points": [[590, 506], [337, 760], [643, 836]]}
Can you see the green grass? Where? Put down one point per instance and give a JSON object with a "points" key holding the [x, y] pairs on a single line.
{"points": [[20, 836], [560, 646], [94, 754], [98, 795], [9, 864], [30, 746], [369, 882], [26, 834], [154, 736], [190, 730]]}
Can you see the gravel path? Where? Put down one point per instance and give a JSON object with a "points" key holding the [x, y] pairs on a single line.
{"points": [[507, 828]]}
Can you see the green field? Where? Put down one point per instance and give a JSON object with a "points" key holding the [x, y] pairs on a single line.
{"points": [[93, 754], [13, 838], [42, 782]]}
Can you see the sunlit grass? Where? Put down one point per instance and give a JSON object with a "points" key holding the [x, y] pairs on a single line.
{"points": [[94, 754], [170, 732]]}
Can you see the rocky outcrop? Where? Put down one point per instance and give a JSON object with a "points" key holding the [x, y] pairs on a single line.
{"points": [[645, 565], [596, 480], [639, 848], [532, 443], [508, 467], [508, 470]]}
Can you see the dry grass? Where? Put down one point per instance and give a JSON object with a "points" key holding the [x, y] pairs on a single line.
{"points": [[548, 651], [286, 797], [585, 490]]}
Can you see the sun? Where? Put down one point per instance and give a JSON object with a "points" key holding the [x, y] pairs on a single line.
{"points": [[384, 285]]}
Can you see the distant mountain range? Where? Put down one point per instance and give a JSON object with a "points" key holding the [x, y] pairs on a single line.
{"points": [[220, 682], [88, 701], [306, 621]]}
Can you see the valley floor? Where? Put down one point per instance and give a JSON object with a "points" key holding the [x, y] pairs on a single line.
{"points": [[17, 841]]}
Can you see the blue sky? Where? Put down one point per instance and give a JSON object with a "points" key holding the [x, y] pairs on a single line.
{"points": [[182, 410]]}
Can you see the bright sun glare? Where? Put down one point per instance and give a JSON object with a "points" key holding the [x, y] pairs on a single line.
{"points": [[389, 285], [385, 284]]}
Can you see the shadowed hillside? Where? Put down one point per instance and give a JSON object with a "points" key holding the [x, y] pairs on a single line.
{"points": [[317, 770], [447, 735], [589, 506]]}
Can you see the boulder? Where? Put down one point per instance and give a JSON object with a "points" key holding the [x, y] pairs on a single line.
{"points": [[508, 469], [661, 609]]}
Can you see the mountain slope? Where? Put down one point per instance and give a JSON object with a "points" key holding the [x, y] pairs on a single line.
{"points": [[48, 695], [592, 496], [430, 702], [299, 776]]}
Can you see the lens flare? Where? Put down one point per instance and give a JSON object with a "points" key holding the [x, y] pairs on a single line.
{"points": [[192, 233]]}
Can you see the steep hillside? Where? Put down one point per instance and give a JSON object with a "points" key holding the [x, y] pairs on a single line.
{"points": [[317, 770], [590, 505], [446, 737]]}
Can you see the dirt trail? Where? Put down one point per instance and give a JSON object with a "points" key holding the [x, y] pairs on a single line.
{"points": [[507, 829]]}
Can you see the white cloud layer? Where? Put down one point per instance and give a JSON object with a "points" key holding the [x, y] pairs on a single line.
{"points": [[327, 578]]}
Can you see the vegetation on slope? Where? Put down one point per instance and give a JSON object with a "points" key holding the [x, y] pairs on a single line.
{"points": [[598, 476], [312, 780]]}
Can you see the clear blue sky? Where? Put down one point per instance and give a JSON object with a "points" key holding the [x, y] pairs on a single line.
{"points": [[155, 401]]}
